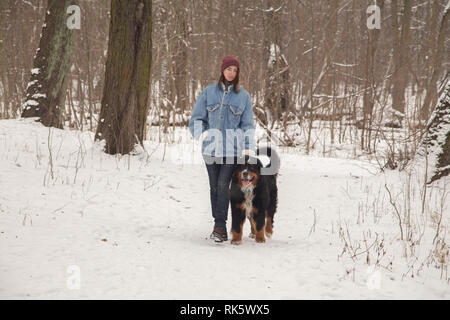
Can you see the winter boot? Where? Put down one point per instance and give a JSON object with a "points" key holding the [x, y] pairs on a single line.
{"points": [[219, 234]]}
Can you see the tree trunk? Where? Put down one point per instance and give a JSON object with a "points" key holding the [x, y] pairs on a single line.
{"points": [[436, 142], [125, 96], [46, 90], [369, 86], [400, 76], [431, 91], [181, 57], [276, 92]]}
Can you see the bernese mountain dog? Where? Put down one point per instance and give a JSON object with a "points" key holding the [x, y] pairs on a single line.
{"points": [[254, 195]]}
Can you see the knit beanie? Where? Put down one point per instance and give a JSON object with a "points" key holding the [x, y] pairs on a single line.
{"points": [[229, 61]]}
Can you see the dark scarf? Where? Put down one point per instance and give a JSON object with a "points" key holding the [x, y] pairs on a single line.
{"points": [[227, 84]]}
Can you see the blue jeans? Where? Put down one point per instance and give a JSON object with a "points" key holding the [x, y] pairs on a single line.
{"points": [[219, 173]]}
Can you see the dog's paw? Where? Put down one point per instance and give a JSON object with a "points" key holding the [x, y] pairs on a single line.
{"points": [[236, 242], [269, 234], [251, 235], [260, 240]]}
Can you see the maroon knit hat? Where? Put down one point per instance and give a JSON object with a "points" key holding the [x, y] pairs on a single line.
{"points": [[229, 61]]}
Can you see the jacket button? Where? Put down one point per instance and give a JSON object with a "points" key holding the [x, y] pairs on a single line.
{"points": [[221, 117]]}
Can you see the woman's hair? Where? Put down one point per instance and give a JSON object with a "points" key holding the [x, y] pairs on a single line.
{"points": [[235, 81]]}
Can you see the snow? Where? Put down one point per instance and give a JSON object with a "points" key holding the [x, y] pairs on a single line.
{"points": [[90, 225], [31, 102], [344, 64], [274, 49], [31, 83], [439, 131], [273, 52], [35, 71], [39, 95]]}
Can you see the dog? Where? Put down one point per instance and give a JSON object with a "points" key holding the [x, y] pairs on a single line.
{"points": [[254, 195]]}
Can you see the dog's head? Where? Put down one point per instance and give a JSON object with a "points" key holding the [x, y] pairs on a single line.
{"points": [[248, 171]]}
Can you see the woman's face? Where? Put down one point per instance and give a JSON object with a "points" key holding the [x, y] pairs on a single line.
{"points": [[230, 73]]}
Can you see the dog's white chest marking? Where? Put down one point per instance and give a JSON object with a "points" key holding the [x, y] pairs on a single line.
{"points": [[248, 203]]}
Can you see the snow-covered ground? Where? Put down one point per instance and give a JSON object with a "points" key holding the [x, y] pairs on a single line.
{"points": [[76, 223]]}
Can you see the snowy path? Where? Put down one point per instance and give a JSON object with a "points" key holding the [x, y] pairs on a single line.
{"points": [[140, 230]]}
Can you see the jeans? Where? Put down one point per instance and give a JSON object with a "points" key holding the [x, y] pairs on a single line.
{"points": [[219, 173]]}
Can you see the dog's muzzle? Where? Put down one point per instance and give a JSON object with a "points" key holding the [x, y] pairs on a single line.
{"points": [[245, 178]]}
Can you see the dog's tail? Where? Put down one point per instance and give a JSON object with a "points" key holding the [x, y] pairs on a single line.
{"points": [[274, 160]]}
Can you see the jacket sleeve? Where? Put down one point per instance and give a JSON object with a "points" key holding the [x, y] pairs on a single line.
{"points": [[248, 126], [198, 123]]}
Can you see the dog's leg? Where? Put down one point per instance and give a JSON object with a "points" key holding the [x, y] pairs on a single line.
{"points": [[270, 212], [253, 227], [259, 221], [237, 224], [269, 229], [252, 234]]}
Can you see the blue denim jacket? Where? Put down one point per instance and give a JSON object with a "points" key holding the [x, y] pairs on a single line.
{"points": [[228, 118]]}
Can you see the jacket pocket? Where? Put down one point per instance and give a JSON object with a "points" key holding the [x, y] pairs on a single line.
{"points": [[213, 114], [236, 114], [212, 107]]}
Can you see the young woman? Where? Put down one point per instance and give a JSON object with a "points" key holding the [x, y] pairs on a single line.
{"points": [[224, 111]]}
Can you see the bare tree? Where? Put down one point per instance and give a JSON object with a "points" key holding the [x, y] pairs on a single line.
{"points": [[438, 51], [277, 79], [436, 141], [369, 85], [400, 52], [46, 91], [125, 96]]}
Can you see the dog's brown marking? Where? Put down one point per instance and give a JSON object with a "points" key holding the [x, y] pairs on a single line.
{"points": [[253, 227], [254, 176], [259, 234], [237, 236], [269, 227], [239, 177]]}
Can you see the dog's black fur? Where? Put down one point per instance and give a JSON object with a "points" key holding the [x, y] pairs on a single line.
{"points": [[254, 195]]}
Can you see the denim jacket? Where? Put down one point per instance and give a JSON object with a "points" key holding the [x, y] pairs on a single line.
{"points": [[227, 117]]}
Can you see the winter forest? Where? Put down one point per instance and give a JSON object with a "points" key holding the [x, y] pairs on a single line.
{"points": [[103, 191]]}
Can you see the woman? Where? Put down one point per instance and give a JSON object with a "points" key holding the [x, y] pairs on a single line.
{"points": [[224, 111]]}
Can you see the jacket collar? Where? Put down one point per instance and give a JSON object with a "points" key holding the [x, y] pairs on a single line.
{"points": [[230, 88]]}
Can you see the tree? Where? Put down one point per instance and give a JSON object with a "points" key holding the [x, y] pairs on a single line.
{"points": [[124, 105], [277, 79], [369, 85], [47, 87], [438, 51], [400, 52], [436, 142]]}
